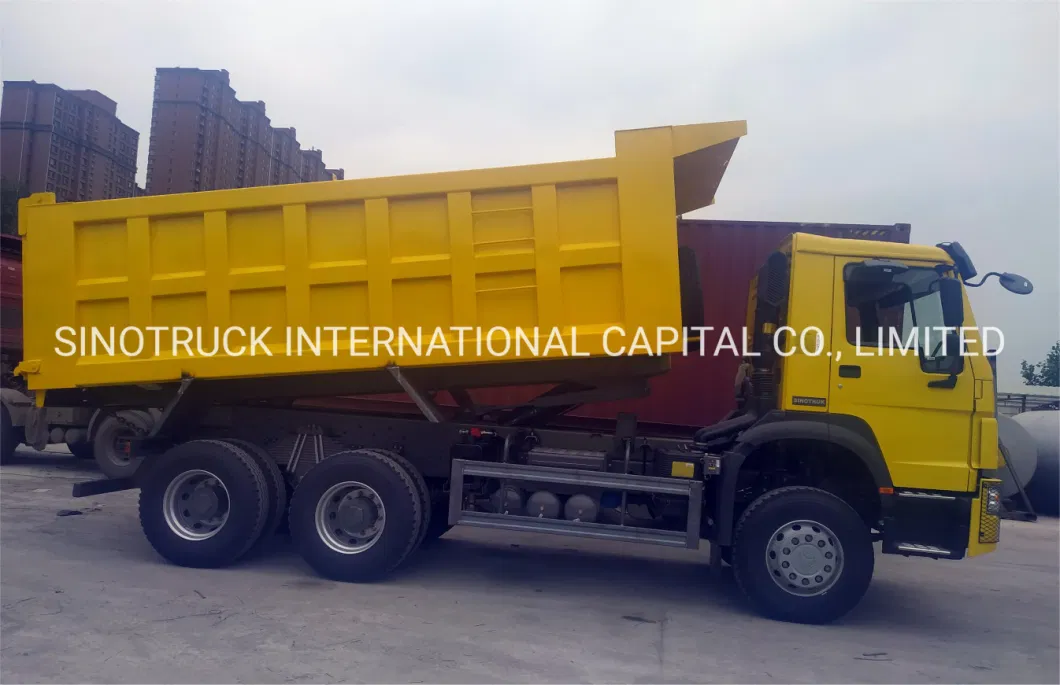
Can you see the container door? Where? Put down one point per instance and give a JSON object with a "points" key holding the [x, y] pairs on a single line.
{"points": [[893, 366]]}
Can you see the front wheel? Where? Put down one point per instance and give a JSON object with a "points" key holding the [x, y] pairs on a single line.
{"points": [[802, 555]]}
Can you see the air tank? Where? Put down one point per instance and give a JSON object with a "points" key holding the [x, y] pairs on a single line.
{"points": [[543, 504], [1044, 488], [508, 500], [581, 507]]}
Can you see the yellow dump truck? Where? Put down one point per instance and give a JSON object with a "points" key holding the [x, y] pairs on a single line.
{"points": [[178, 330]]}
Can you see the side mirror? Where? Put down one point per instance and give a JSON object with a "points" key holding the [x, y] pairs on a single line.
{"points": [[952, 298], [1014, 283]]}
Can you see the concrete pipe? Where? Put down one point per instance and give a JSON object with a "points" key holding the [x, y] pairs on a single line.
{"points": [[1022, 455], [1044, 488]]}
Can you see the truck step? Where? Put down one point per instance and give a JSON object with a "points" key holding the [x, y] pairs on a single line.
{"points": [[915, 550], [600, 531]]}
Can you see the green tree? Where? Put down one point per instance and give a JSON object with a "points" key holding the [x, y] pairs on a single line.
{"points": [[10, 193], [1045, 373]]}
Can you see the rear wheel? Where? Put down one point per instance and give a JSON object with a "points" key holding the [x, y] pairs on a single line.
{"points": [[356, 516], [802, 555], [274, 482], [111, 447], [421, 488], [203, 503]]}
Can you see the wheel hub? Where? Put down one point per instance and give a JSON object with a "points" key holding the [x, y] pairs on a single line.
{"points": [[350, 517], [203, 503], [356, 513], [804, 558], [195, 505], [121, 449]]}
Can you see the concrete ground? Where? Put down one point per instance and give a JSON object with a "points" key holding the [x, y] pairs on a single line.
{"points": [[85, 599]]}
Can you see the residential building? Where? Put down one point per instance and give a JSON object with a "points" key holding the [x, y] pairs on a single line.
{"points": [[204, 138], [313, 166], [69, 142]]}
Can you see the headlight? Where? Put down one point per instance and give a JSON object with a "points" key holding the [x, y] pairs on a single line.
{"points": [[993, 500]]}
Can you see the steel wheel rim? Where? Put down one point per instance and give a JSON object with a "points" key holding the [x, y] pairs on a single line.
{"points": [[117, 455], [196, 505], [804, 558], [350, 517]]}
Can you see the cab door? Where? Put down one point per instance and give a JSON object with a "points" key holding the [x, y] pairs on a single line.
{"points": [[893, 366]]}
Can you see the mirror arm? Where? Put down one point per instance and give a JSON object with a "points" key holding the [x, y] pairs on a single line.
{"points": [[982, 280]]}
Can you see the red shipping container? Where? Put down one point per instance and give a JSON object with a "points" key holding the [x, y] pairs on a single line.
{"points": [[10, 296], [698, 390]]}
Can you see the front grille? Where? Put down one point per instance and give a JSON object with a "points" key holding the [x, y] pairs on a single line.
{"points": [[989, 524]]}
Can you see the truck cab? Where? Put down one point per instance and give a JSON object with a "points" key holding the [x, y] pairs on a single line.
{"points": [[871, 359], [867, 383]]}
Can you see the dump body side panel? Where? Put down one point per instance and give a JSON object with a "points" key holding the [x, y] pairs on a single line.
{"points": [[575, 246]]}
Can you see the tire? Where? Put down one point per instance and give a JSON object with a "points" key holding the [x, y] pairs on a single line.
{"points": [[274, 482], [284, 526], [246, 490], [109, 457], [82, 450], [834, 529], [376, 557], [421, 488], [8, 441]]}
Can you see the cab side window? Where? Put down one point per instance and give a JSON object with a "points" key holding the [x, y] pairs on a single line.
{"points": [[903, 313]]}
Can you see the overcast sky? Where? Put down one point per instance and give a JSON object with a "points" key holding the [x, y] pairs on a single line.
{"points": [[943, 115]]}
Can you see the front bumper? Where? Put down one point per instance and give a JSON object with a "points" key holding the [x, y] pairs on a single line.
{"points": [[942, 525]]}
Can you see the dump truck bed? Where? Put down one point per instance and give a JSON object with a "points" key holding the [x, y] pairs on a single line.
{"points": [[573, 246]]}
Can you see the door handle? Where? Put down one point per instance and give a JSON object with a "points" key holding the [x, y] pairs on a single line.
{"points": [[948, 383], [849, 371]]}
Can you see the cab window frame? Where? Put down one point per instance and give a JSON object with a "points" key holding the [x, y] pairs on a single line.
{"points": [[900, 314]]}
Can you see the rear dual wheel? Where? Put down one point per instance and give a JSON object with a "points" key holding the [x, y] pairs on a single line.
{"points": [[204, 503], [354, 517], [358, 514], [275, 484]]}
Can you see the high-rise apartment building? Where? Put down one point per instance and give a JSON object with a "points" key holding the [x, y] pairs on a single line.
{"points": [[69, 142], [312, 162], [204, 138]]}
